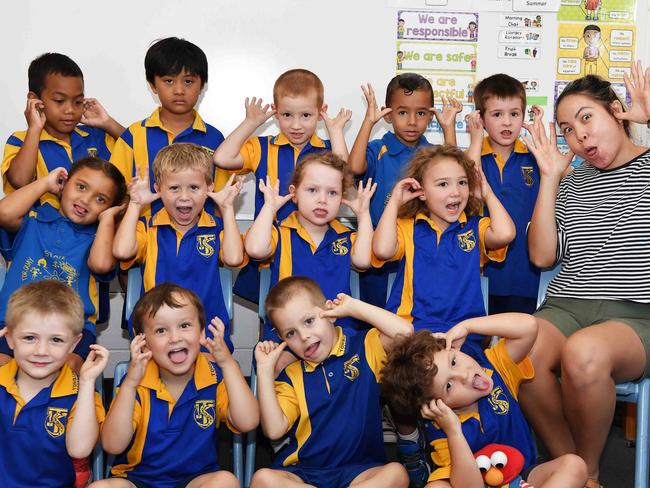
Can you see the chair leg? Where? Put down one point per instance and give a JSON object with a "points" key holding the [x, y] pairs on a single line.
{"points": [[250, 439], [630, 424], [642, 435], [238, 457]]}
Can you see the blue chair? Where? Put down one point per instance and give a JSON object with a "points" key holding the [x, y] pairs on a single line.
{"points": [[632, 392]]}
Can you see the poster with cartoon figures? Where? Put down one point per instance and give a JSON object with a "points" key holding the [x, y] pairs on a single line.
{"points": [[616, 11]]}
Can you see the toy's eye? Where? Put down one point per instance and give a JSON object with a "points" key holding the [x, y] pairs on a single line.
{"points": [[483, 463], [499, 459]]}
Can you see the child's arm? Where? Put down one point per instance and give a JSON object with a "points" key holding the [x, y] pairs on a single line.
{"points": [[447, 118], [100, 258], [518, 329], [638, 86], [22, 168], [357, 161], [274, 421], [232, 247], [117, 429], [258, 237], [502, 229], [475, 127], [227, 155], [243, 411], [388, 324], [464, 471], [335, 131], [83, 429], [15, 206], [95, 115], [384, 241], [362, 250], [125, 244]]}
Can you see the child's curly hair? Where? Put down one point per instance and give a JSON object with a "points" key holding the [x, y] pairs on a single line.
{"points": [[328, 159], [422, 160], [407, 377]]}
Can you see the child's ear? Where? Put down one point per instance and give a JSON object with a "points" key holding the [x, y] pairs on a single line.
{"points": [[153, 88], [292, 192], [75, 342], [156, 188], [275, 109], [422, 197], [32, 96], [323, 109], [10, 339], [388, 117]]}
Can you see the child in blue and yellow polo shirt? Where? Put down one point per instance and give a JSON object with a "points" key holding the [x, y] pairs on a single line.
{"points": [[48, 414], [470, 402], [163, 424], [328, 402], [53, 139], [182, 243]]}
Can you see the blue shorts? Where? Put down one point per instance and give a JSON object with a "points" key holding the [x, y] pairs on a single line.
{"points": [[337, 477], [180, 484], [82, 349]]}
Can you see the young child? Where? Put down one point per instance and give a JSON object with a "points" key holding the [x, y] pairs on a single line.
{"points": [[328, 402], [177, 72], [72, 244], [310, 241], [409, 109], [298, 107], [182, 243], [441, 244], [514, 177], [48, 414], [54, 138], [471, 402], [163, 423]]}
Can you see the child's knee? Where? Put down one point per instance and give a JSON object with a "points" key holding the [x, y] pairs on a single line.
{"points": [[264, 478], [220, 479], [397, 474], [574, 466]]}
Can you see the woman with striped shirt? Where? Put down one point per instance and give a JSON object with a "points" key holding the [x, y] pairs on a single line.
{"points": [[595, 323]]}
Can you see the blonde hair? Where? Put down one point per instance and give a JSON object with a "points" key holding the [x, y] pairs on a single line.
{"points": [[328, 159], [47, 297], [181, 156], [288, 288], [428, 156], [298, 82]]}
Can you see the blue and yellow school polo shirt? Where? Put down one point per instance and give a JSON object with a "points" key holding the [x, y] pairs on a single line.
{"points": [[190, 260], [54, 153], [438, 281], [386, 159], [332, 408], [33, 434], [137, 147], [498, 419], [49, 246], [175, 439], [515, 182]]}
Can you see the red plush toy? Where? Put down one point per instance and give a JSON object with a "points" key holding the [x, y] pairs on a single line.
{"points": [[500, 465]]}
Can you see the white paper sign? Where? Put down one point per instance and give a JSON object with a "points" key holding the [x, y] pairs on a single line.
{"points": [[536, 5]]}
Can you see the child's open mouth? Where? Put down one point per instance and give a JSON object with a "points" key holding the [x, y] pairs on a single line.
{"points": [[320, 213], [311, 350], [178, 356], [79, 210], [453, 207], [480, 383], [506, 133], [184, 212]]}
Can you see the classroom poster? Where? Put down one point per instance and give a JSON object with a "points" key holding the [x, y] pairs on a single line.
{"points": [[617, 11]]}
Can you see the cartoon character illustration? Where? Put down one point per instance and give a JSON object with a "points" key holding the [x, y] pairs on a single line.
{"points": [[472, 26], [470, 93], [592, 7], [472, 63], [591, 53], [400, 28], [500, 466], [400, 59], [538, 21]]}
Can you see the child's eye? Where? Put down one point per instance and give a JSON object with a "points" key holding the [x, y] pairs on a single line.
{"points": [[422, 113], [306, 116], [168, 81], [286, 115], [159, 330], [463, 182], [101, 199], [194, 187], [311, 189], [185, 325], [57, 340], [453, 361], [586, 117], [567, 130], [81, 186], [28, 338], [448, 387], [58, 100], [288, 335], [173, 188], [496, 114], [333, 193], [309, 320], [514, 114], [442, 184], [402, 112], [189, 82]]}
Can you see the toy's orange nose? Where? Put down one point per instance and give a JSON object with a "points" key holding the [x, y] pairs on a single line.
{"points": [[493, 477]]}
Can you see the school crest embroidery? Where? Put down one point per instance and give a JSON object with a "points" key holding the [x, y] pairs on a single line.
{"points": [[499, 401], [205, 245], [54, 421], [204, 413], [350, 371], [527, 172], [340, 246], [52, 267], [92, 152], [467, 240]]}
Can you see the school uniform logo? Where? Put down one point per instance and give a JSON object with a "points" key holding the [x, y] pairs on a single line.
{"points": [[204, 413], [467, 240], [55, 421], [499, 401], [340, 246], [92, 152], [527, 172], [205, 245], [350, 371], [56, 269]]}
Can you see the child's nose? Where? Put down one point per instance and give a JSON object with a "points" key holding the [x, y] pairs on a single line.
{"points": [[41, 348], [179, 88]]}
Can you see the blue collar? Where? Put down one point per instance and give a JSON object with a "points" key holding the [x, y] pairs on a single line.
{"points": [[47, 213], [395, 147]]}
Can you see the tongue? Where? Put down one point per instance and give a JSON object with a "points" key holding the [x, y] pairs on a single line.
{"points": [[480, 383], [178, 357], [311, 349]]}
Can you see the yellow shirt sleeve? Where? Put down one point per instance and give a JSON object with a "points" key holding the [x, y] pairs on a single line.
{"points": [[251, 151], [223, 404], [442, 459], [141, 239], [375, 352], [9, 155], [512, 373], [288, 401], [99, 409], [122, 158], [496, 255]]}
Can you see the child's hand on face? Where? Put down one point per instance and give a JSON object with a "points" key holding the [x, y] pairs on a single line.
{"points": [[35, 114], [442, 415], [373, 114], [140, 357], [267, 354], [216, 345], [256, 112], [450, 109], [94, 364], [94, 115], [361, 204], [115, 212], [638, 86], [272, 194], [483, 188], [342, 306], [454, 337], [406, 190], [338, 122], [225, 197], [56, 180], [140, 191], [474, 125]]}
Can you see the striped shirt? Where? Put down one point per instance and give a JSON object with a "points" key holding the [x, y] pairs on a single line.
{"points": [[603, 222]]}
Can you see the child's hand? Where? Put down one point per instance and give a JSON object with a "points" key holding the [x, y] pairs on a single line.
{"points": [[442, 415], [338, 122], [267, 354], [406, 190], [115, 212], [56, 180], [342, 306], [373, 114], [94, 364], [3, 332], [638, 86], [474, 125], [216, 345], [450, 109], [483, 188], [364, 194], [94, 115], [257, 113], [272, 194], [140, 357], [456, 336], [140, 191], [226, 196], [550, 160], [35, 114]]}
